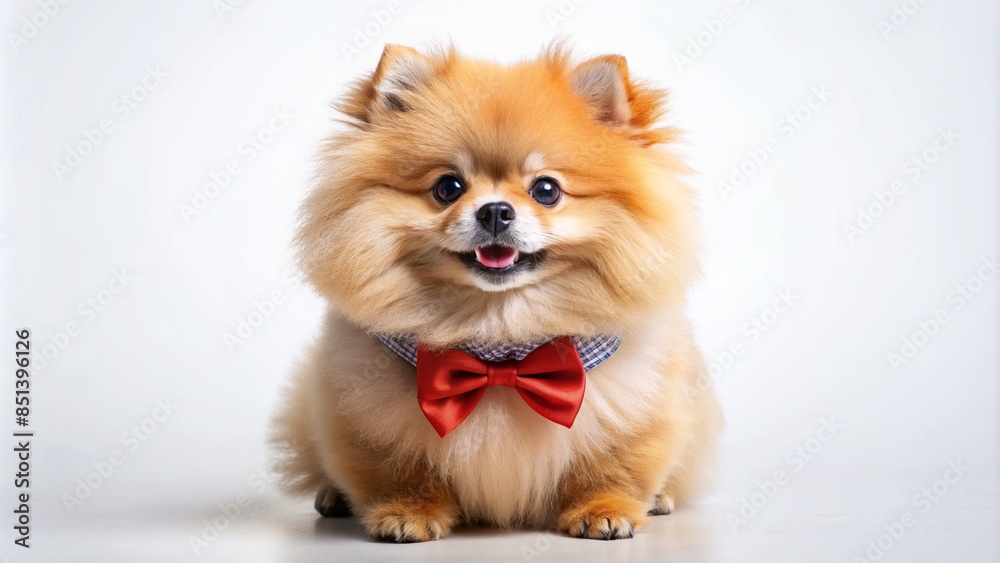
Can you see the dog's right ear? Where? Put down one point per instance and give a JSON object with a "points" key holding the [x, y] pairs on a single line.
{"points": [[400, 71]]}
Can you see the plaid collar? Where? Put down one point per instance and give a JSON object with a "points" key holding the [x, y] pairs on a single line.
{"points": [[593, 350]]}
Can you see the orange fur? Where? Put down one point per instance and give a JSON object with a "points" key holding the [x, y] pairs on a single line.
{"points": [[620, 253]]}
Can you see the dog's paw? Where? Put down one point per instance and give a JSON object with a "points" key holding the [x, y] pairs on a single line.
{"points": [[331, 503], [662, 504], [401, 522], [606, 517]]}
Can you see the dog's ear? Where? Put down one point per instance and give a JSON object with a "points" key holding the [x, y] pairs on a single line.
{"points": [[400, 71], [603, 82]]}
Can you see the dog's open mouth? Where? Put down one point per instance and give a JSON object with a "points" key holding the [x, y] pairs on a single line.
{"points": [[496, 257], [499, 261]]}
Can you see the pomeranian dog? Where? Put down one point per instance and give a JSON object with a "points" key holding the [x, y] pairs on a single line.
{"points": [[505, 251]]}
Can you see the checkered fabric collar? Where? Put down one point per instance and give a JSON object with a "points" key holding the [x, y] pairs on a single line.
{"points": [[593, 350]]}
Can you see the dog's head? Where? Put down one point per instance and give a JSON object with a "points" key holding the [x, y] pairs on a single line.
{"points": [[468, 200]]}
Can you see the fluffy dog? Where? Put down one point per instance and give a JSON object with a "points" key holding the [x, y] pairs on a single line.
{"points": [[472, 206]]}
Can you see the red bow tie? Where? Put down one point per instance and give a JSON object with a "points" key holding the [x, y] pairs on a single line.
{"points": [[450, 383]]}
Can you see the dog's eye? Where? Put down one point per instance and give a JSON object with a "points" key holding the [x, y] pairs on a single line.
{"points": [[545, 191], [448, 189]]}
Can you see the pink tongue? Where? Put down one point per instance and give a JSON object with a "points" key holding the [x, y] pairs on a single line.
{"points": [[496, 256]]}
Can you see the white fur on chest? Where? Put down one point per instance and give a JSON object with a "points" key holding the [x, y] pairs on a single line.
{"points": [[505, 461]]}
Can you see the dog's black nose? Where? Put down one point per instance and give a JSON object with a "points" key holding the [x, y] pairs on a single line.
{"points": [[496, 216]]}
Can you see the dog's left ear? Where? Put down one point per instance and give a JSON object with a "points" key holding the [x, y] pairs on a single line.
{"points": [[603, 82]]}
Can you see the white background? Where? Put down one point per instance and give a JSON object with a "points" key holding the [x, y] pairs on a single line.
{"points": [[62, 240]]}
